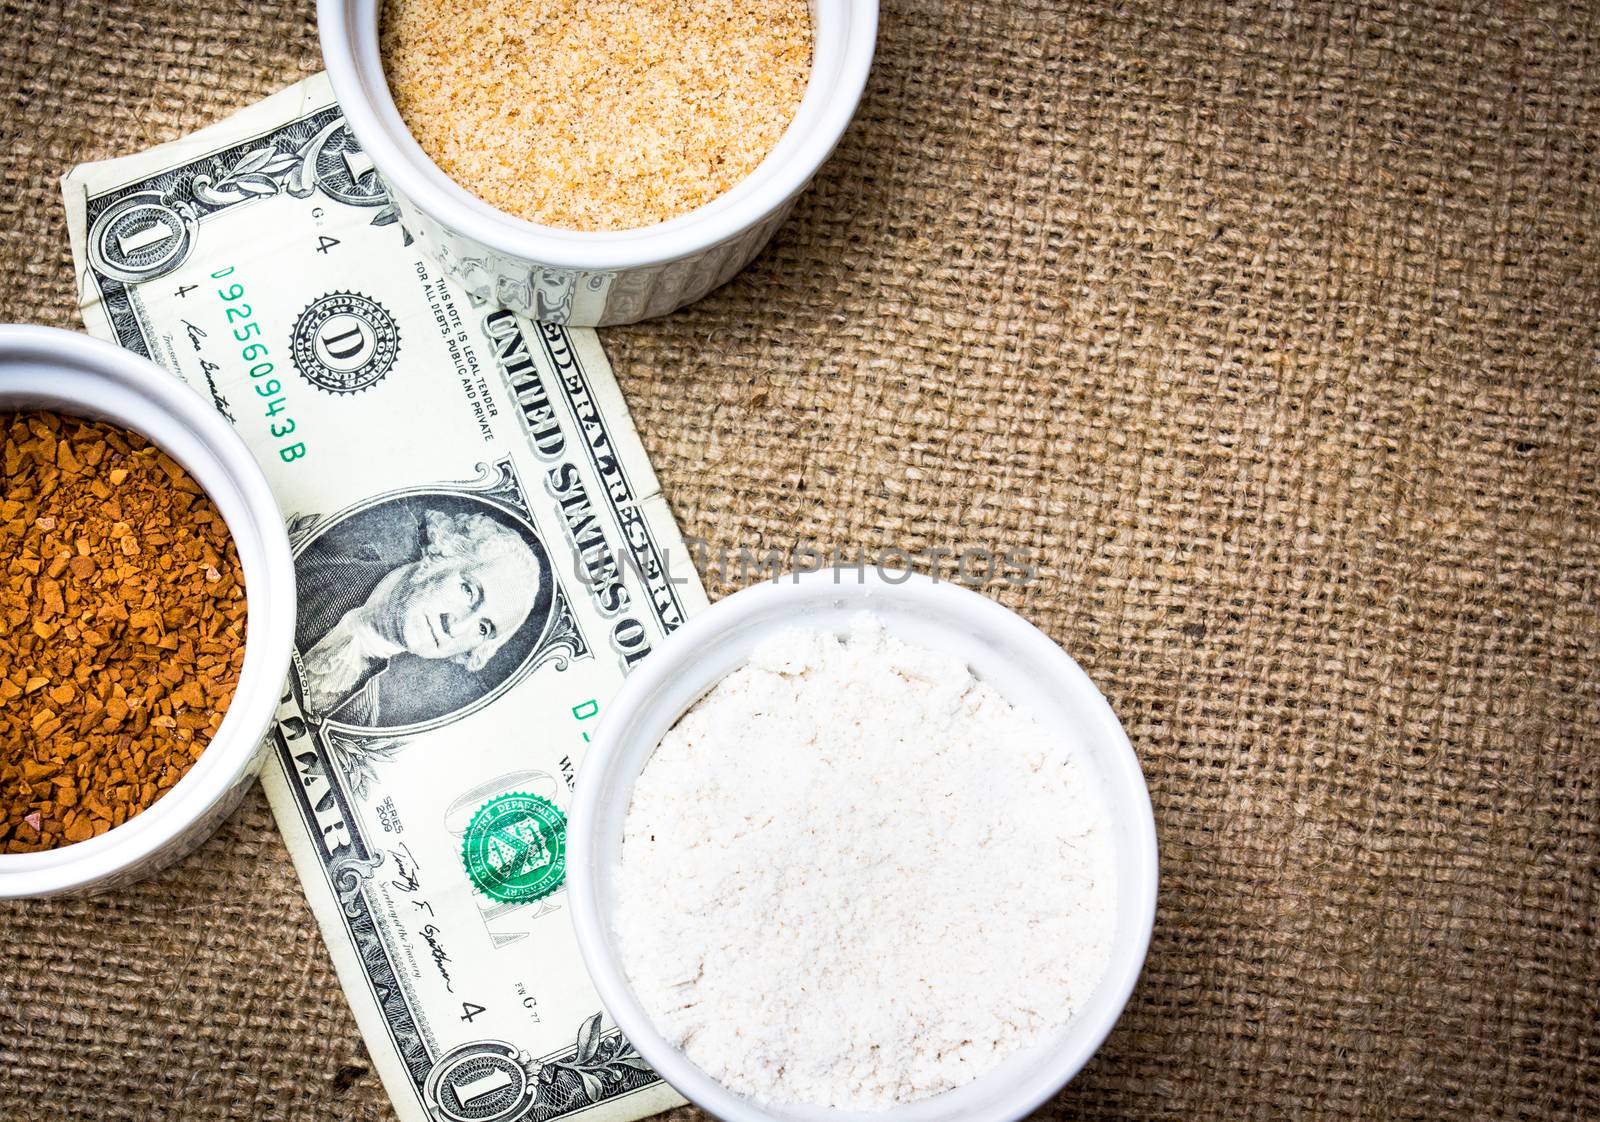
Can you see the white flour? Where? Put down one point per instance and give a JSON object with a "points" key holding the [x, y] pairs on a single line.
{"points": [[854, 876]]}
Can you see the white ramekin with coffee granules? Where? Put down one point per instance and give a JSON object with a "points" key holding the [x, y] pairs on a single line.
{"points": [[162, 815], [593, 276]]}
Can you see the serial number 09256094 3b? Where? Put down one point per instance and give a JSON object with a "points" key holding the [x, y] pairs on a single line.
{"points": [[263, 379]]}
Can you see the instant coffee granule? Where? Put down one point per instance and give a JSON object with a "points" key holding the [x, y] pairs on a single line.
{"points": [[597, 114], [121, 627]]}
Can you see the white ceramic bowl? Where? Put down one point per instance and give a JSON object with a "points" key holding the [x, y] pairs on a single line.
{"points": [[43, 368], [606, 277], [1003, 649]]}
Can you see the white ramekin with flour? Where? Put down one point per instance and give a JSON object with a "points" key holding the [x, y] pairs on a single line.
{"points": [[1001, 649], [595, 278]]}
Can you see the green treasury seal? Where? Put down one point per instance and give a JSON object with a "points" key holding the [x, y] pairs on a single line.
{"points": [[515, 848]]}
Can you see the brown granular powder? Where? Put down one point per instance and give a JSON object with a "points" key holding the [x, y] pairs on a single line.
{"points": [[597, 114], [122, 621]]}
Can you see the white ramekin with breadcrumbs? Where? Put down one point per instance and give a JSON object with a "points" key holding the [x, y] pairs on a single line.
{"points": [[586, 276]]}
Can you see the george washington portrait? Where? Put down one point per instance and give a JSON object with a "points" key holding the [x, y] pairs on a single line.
{"points": [[416, 608]]}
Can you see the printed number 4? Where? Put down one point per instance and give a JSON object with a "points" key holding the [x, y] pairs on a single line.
{"points": [[469, 1011], [325, 243]]}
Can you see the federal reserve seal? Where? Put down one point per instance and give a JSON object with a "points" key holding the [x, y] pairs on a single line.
{"points": [[344, 342], [515, 848]]}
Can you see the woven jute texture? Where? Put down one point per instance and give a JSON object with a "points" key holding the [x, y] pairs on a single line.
{"points": [[1269, 329]]}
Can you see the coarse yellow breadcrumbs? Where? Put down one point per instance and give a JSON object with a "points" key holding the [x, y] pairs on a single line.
{"points": [[597, 114]]}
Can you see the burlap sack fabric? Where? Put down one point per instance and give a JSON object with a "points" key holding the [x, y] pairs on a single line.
{"points": [[1269, 328]]}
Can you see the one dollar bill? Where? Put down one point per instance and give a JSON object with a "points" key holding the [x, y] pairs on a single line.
{"points": [[482, 554]]}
